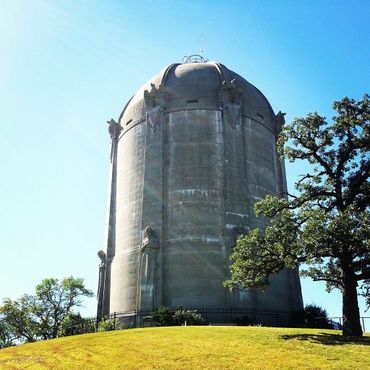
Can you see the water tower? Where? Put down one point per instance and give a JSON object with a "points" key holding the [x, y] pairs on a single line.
{"points": [[192, 151]]}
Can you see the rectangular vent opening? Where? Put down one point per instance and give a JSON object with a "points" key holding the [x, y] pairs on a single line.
{"points": [[128, 122], [193, 101]]}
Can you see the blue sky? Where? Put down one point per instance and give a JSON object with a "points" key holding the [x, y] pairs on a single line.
{"points": [[66, 67]]}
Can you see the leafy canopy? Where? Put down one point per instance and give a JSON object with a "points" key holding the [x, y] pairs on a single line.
{"points": [[40, 316], [326, 223]]}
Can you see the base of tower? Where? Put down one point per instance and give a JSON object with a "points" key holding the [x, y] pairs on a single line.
{"points": [[218, 315]]}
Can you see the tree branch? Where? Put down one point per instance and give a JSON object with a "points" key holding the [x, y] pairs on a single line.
{"points": [[334, 281]]}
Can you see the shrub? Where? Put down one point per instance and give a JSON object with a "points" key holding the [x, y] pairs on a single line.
{"points": [[191, 317], [75, 324], [244, 321], [316, 317], [108, 324], [165, 316]]}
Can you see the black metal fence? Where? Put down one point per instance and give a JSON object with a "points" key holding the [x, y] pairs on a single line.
{"points": [[217, 315], [211, 316], [339, 320]]}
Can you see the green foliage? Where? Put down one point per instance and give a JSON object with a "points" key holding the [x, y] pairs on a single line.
{"points": [[7, 335], [70, 325], [41, 316], [54, 300], [74, 324], [191, 317], [19, 317], [165, 316], [316, 317], [108, 324], [325, 225], [246, 320]]}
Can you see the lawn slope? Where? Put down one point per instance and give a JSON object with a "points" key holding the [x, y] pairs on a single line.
{"points": [[194, 348]]}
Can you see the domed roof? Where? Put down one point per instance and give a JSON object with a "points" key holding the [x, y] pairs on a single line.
{"points": [[197, 85]]}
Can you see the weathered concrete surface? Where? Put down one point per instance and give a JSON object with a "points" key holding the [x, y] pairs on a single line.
{"points": [[197, 150]]}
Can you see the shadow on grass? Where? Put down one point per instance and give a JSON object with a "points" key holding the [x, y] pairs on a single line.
{"points": [[328, 339]]}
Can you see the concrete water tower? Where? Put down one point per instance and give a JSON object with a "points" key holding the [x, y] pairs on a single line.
{"points": [[191, 153]]}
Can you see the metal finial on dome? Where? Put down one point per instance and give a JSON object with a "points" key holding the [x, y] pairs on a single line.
{"points": [[195, 58], [202, 45]]}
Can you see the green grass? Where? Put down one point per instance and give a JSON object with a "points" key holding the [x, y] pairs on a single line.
{"points": [[194, 348]]}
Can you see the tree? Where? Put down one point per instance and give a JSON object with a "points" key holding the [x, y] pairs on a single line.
{"points": [[7, 335], [54, 300], [19, 319], [325, 225], [41, 316]]}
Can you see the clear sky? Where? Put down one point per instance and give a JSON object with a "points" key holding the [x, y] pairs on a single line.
{"points": [[68, 66]]}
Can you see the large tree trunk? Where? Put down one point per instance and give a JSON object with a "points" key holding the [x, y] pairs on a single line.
{"points": [[351, 313]]}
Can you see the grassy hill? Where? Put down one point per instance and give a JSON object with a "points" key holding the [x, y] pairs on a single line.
{"points": [[194, 348]]}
